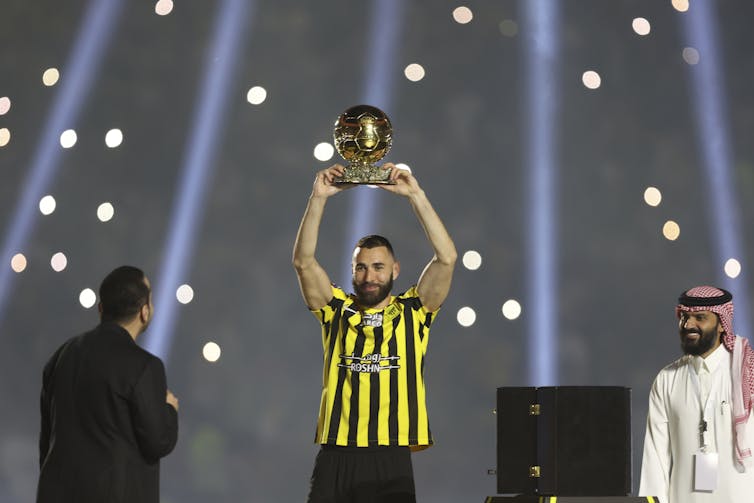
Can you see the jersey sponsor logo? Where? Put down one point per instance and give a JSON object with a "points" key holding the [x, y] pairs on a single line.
{"points": [[371, 319], [371, 363]]}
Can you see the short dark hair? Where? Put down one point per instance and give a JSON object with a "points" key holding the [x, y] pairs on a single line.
{"points": [[122, 293], [374, 241]]}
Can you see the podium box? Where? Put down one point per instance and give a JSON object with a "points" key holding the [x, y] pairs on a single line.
{"points": [[565, 441]]}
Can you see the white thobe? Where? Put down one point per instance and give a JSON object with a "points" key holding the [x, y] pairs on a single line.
{"points": [[672, 437]]}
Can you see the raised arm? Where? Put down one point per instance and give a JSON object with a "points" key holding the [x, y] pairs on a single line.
{"points": [[434, 283], [312, 278]]}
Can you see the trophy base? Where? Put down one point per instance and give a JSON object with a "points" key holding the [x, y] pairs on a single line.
{"points": [[364, 174], [362, 182]]}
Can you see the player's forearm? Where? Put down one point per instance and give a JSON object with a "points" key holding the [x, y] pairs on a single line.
{"points": [[437, 234], [308, 232]]}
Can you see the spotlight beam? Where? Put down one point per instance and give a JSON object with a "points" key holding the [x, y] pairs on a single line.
{"points": [[541, 18], [385, 29], [220, 63], [700, 28]]}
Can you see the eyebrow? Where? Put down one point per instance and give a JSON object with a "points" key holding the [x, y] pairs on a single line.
{"points": [[695, 313]]}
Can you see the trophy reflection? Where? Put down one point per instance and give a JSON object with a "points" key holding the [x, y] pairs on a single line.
{"points": [[362, 136]]}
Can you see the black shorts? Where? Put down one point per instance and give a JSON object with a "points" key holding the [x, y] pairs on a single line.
{"points": [[362, 475]]}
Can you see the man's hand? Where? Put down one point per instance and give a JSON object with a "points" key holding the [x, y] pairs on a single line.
{"points": [[404, 182], [172, 400], [324, 183]]}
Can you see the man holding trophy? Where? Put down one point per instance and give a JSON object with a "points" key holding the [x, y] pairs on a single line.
{"points": [[373, 408]]}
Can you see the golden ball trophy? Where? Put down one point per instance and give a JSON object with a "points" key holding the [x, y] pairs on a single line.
{"points": [[362, 136]]}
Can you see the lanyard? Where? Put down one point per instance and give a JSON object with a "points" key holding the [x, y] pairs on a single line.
{"points": [[707, 408]]}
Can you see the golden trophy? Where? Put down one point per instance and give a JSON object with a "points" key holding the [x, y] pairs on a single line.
{"points": [[362, 136]]}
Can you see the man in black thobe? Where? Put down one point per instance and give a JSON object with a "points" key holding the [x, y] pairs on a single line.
{"points": [[107, 415]]}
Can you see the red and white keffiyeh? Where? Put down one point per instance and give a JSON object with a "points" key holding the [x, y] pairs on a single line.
{"points": [[720, 302]]}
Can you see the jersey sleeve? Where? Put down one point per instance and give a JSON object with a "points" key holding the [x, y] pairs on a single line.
{"points": [[411, 297], [326, 313]]}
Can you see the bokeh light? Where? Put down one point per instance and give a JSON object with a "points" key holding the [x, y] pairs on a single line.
{"points": [[690, 55], [511, 309], [671, 230], [163, 7], [591, 79], [414, 72], [87, 298], [105, 212], [680, 5], [47, 205], [184, 294], [324, 151], [462, 15], [641, 26], [732, 268], [466, 316], [50, 77], [4, 136], [68, 138], [4, 105], [211, 352], [18, 262], [472, 260], [59, 262], [256, 95], [652, 196], [114, 138]]}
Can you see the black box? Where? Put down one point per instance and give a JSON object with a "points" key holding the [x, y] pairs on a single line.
{"points": [[564, 440]]}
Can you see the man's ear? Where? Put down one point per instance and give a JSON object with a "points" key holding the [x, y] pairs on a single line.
{"points": [[396, 270], [99, 307], [144, 313]]}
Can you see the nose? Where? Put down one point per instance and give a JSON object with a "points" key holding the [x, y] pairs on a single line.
{"points": [[685, 323], [370, 275]]}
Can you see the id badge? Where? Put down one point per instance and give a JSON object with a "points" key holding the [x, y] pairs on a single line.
{"points": [[705, 471]]}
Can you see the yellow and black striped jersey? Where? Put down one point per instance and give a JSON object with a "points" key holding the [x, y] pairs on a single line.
{"points": [[373, 373]]}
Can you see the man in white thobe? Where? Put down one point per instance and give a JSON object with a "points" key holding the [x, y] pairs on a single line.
{"points": [[696, 447]]}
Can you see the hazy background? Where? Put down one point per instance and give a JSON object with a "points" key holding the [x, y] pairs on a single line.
{"points": [[248, 420]]}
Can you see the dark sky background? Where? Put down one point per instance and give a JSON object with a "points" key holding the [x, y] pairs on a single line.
{"points": [[248, 420]]}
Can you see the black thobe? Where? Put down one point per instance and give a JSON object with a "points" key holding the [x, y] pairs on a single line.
{"points": [[105, 422]]}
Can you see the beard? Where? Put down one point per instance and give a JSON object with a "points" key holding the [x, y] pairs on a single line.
{"points": [[698, 347], [372, 298]]}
